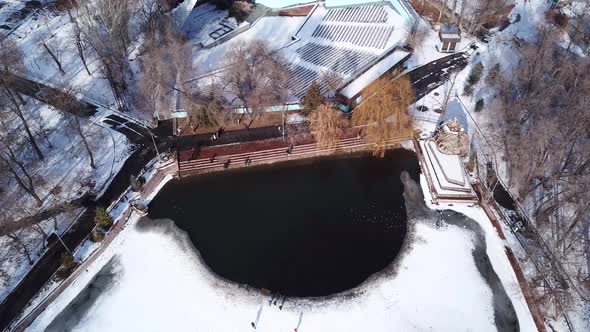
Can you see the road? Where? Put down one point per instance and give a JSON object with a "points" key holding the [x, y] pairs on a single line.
{"points": [[428, 77], [48, 95]]}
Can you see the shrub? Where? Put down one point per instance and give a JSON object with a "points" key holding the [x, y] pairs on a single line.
{"points": [[473, 79], [313, 98], [135, 183], [468, 91], [68, 264], [560, 19], [493, 74], [240, 10], [102, 218], [96, 236], [475, 74], [479, 105]]}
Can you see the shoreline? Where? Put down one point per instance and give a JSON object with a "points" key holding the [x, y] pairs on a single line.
{"points": [[156, 181]]}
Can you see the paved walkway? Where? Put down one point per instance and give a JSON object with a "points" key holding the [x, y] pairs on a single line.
{"points": [[48, 95], [435, 73]]}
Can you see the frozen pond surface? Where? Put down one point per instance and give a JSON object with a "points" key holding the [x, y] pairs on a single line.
{"points": [[306, 228], [452, 278]]}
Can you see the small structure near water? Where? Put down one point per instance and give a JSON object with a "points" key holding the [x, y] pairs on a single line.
{"points": [[443, 165], [450, 36]]}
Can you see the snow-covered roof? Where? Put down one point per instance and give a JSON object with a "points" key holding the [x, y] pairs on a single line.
{"points": [[448, 31], [347, 41], [380, 68], [452, 36]]}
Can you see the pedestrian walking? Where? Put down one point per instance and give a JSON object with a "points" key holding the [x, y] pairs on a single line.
{"points": [[283, 303], [192, 153], [212, 159], [226, 163]]}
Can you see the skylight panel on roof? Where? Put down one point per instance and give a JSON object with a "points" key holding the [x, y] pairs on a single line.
{"points": [[341, 60], [358, 14], [365, 36]]}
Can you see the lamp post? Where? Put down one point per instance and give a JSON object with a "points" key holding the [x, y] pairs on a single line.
{"points": [[155, 145], [63, 244]]}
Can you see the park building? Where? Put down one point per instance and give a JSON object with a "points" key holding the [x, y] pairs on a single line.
{"points": [[342, 48], [346, 48]]}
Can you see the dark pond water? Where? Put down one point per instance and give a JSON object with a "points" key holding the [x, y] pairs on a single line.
{"points": [[305, 228]]}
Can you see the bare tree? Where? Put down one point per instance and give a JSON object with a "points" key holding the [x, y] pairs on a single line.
{"points": [[14, 237], [166, 65], [66, 104], [11, 64], [13, 166], [14, 106], [383, 112], [76, 34], [543, 118], [579, 26], [416, 34], [255, 79], [11, 57], [104, 26], [54, 56], [479, 12], [43, 129], [326, 124], [331, 81]]}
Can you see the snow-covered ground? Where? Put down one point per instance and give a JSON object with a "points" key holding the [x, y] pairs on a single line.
{"points": [[502, 49], [276, 31], [56, 33], [88, 248], [159, 282], [64, 175]]}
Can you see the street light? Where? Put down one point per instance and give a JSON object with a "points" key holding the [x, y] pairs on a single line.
{"points": [[63, 244], [155, 145]]}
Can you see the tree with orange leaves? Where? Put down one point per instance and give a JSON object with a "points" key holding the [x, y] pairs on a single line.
{"points": [[383, 112], [326, 124]]}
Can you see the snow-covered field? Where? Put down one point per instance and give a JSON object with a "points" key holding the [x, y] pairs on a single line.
{"points": [[157, 281]]}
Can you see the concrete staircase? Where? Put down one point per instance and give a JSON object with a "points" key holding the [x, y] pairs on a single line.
{"points": [[201, 165]]}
